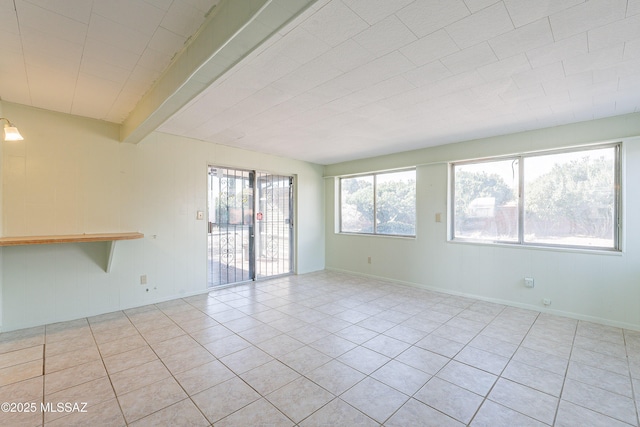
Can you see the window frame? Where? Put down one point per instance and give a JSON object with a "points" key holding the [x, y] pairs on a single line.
{"points": [[521, 196], [375, 203]]}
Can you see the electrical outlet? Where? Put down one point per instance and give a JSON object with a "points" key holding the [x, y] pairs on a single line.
{"points": [[199, 215], [143, 279], [438, 217], [546, 301], [529, 282], [369, 260]]}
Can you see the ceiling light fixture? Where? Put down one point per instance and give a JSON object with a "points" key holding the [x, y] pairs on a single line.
{"points": [[11, 132]]}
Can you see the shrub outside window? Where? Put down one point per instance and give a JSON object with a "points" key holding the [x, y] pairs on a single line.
{"points": [[566, 198], [380, 203]]}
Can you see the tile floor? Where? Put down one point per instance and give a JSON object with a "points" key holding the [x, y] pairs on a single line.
{"points": [[322, 349]]}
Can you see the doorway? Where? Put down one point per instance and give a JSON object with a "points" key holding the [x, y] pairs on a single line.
{"points": [[250, 233]]}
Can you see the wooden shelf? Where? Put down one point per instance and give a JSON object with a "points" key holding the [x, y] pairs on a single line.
{"points": [[110, 238], [68, 238]]}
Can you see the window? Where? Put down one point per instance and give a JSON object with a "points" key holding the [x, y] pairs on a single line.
{"points": [[381, 203], [565, 198]]}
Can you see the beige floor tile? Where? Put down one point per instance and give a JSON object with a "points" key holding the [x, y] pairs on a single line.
{"points": [[605, 402], [551, 363], [183, 413], [139, 376], [224, 399], [280, 345], [74, 376], [21, 372], [227, 345], [337, 413], [536, 378], [115, 333], [67, 330], [402, 377], [415, 413], [211, 334], [424, 360], [129, 359], [187, 359], [305, 359], [122, 345], [151, 398], [71, 358], [24, 391], [406, 334], [335, 377], [454, 401], [493, 345], [387, 346], [269, 377], [363, 359], [246, 359], [440, 345], [601, 378], [520, 358], [570, 415], [197, 324], [22, 419], [356, 334], [18, 357], [17, 342], [333, 345], [468, 377], [203, 377], [91, 393], [105, 414], [591, 358], [493, 415], [375, 399], [76, 344], [299, 399], [258, 413], [530, 402], [162, 334], [308, 334], [482, 360]]}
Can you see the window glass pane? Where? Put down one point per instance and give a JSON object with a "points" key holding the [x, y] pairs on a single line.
{"points": [[396, 203], [486, 203], [356, 204], [570, 198]]}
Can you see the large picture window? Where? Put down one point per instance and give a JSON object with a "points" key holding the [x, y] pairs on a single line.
{"points": [[380, 203], [564, 198]]}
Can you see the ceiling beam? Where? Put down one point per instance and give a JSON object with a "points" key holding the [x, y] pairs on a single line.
{"points": [[233, 30]]}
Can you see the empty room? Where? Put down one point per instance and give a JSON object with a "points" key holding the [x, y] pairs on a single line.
{"points": [[320, 213]]}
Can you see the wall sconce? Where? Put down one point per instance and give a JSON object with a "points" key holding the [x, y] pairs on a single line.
{"points": [[11, 132]]}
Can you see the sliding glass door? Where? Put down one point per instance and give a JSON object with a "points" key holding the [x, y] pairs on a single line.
{"points": [[250, 231]]}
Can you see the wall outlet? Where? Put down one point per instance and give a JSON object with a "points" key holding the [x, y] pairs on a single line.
{"points": [[438, 217], [529, 282], [143, 279], [200, 215], [368, 260], [546, 301]]}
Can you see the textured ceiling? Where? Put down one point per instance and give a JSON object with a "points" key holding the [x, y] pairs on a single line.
{"points": [[346, 79], [92, 58], [358, 78]]}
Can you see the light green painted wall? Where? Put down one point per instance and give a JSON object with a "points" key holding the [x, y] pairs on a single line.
{"points": [[598, 287], [71, 175]]}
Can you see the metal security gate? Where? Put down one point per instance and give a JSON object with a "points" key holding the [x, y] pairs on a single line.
{"points": [[250, 225], [274, 222]]}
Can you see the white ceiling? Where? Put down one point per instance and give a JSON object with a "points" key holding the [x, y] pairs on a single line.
{"points": [[92, 58], [346, 79]]}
